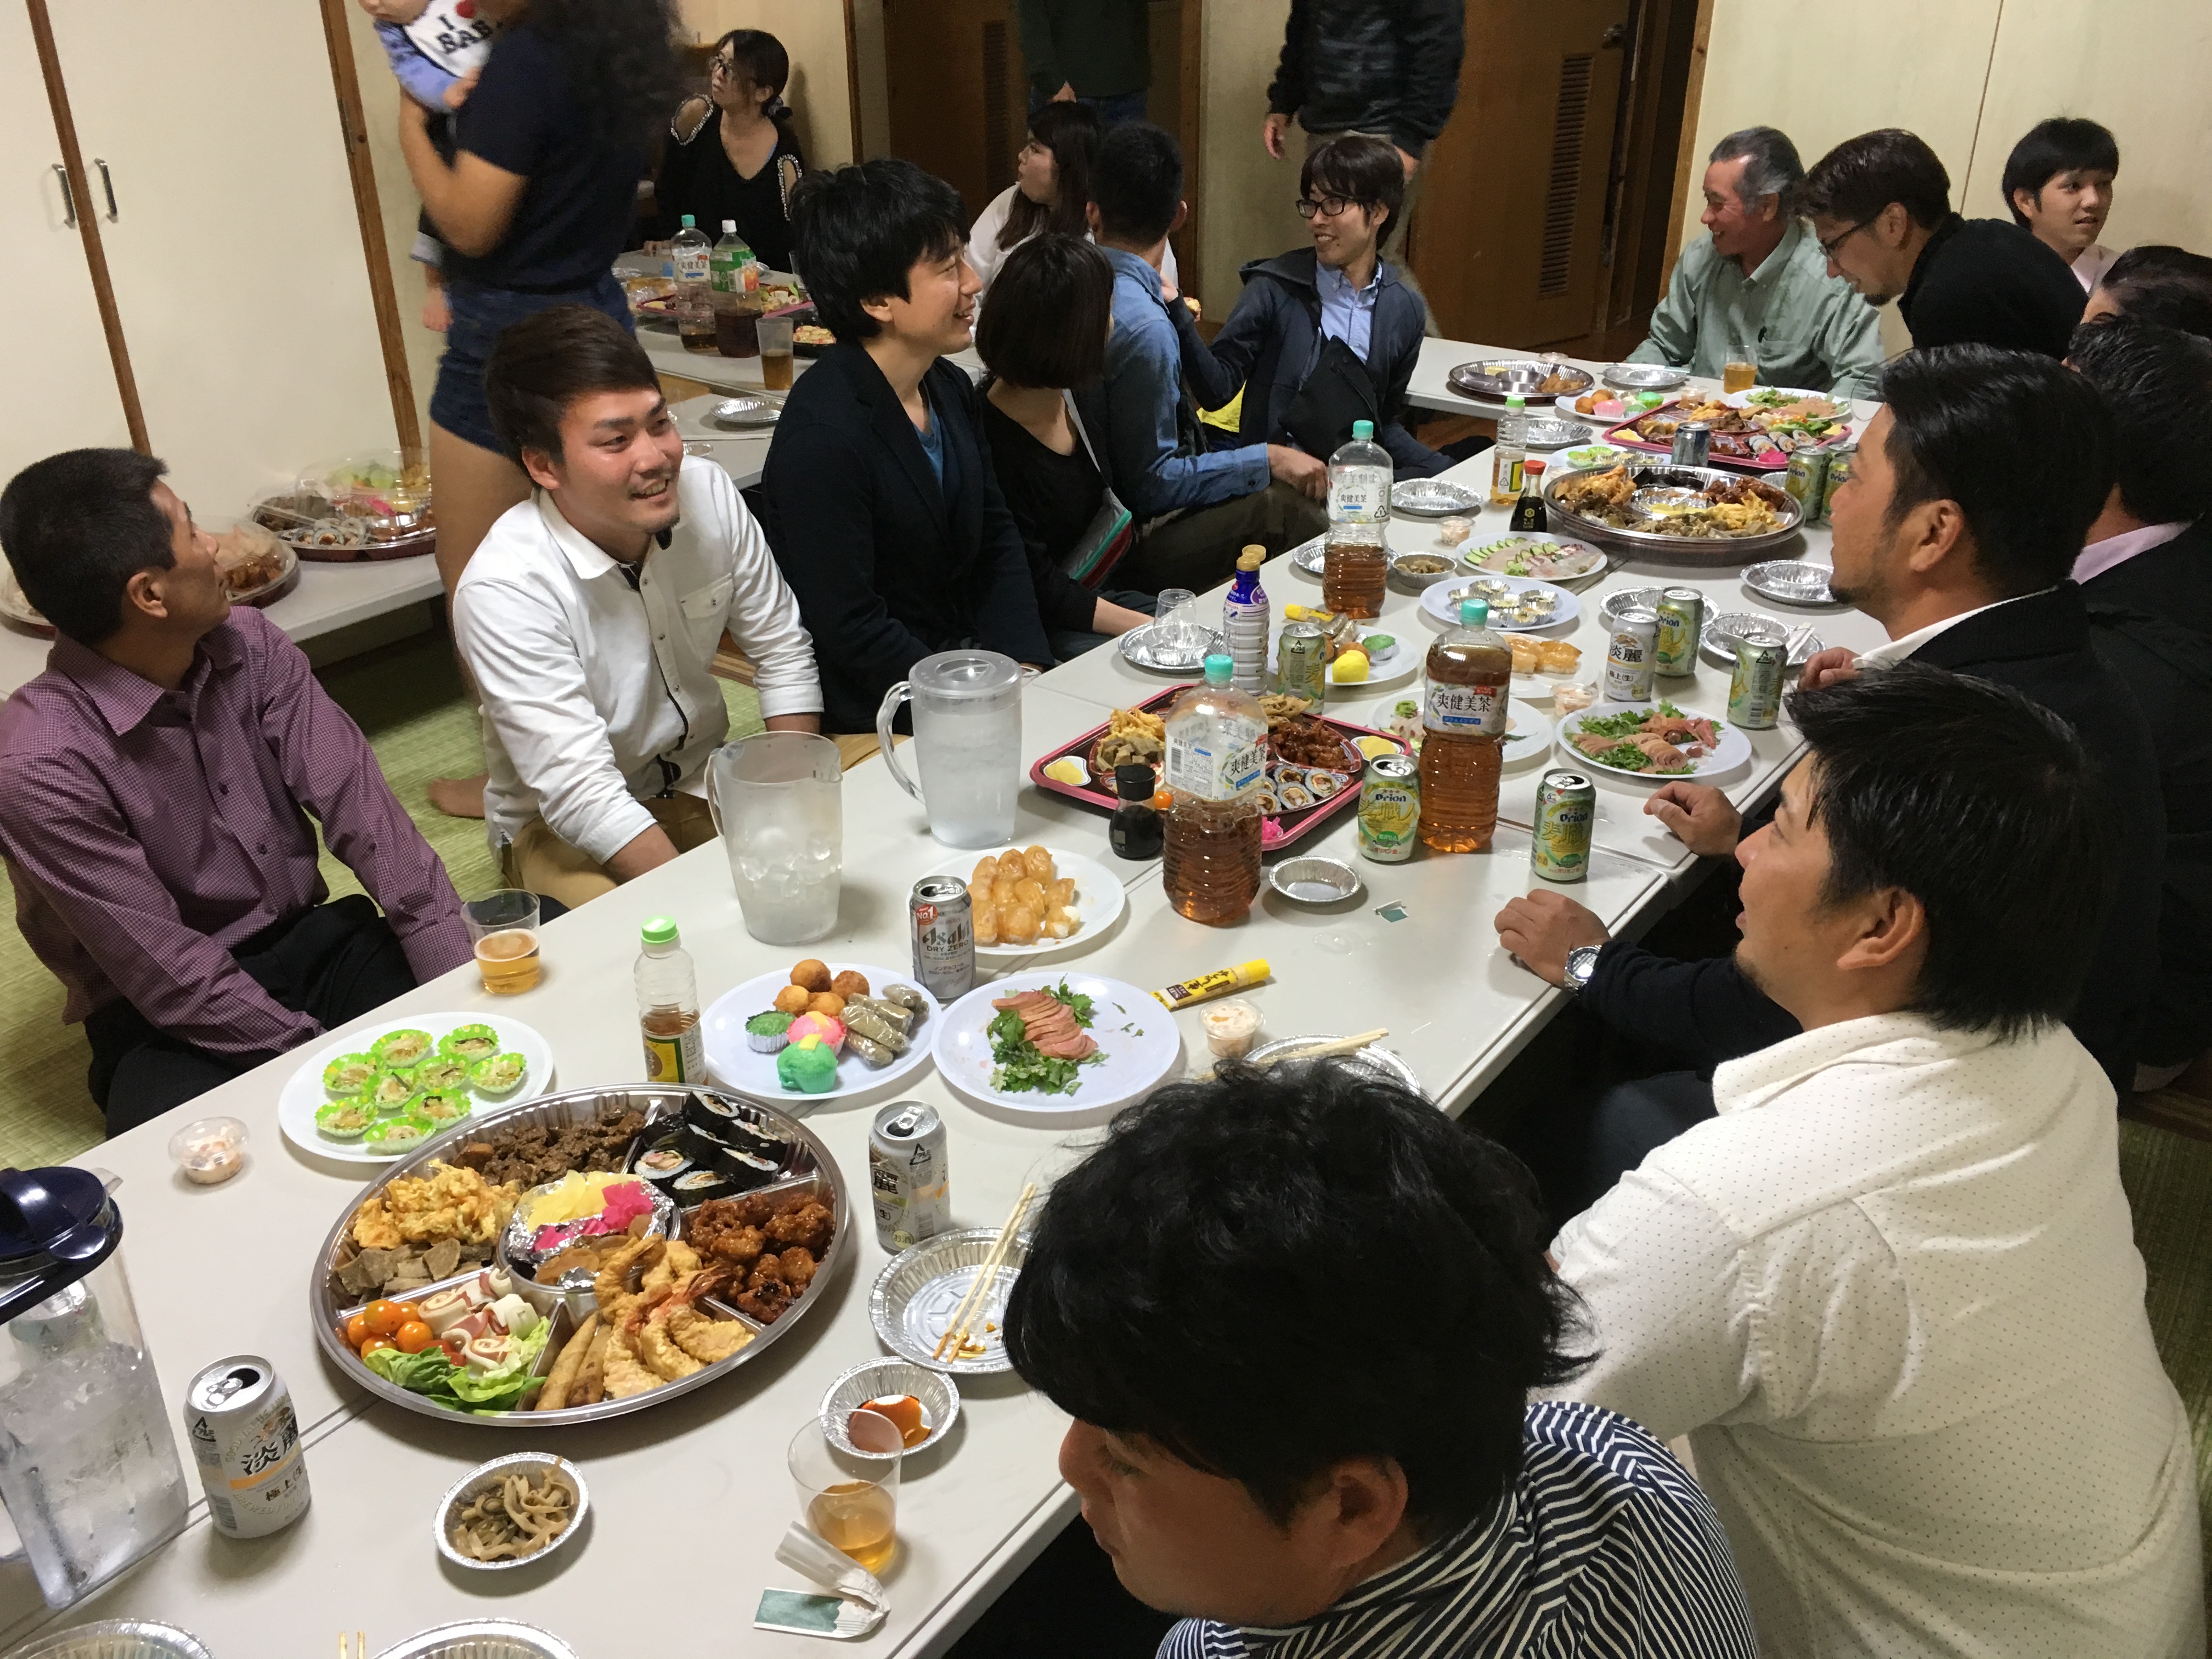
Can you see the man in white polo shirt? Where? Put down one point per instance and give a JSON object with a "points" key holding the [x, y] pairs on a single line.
{"points": [[591, 614], [1890, 1291]]}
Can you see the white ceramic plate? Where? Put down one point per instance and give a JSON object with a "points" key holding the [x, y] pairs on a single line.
{"points": [[736, 1064], [1137, 1035], [1742, 399], [1579, 560], [1528, 728], [1441, 603], [1394, 664], [304, 1093], [1731, 751], [1099, 898]]}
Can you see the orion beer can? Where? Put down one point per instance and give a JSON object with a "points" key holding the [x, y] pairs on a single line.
{"points": [[1389, 808], [1566, 813], [238, 1415], [1628, 658], [1755, 691], [908, 1177], [1806, 485], [1843, 461], [1693, 444], [1301, 669], [1681, 621], [941, 919]]}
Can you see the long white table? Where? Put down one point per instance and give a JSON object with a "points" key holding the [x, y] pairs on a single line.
{"points": [[225, 1270]]}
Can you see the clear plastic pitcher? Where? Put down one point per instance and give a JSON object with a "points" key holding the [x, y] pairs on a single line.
{"points": [[966, 743], [89, 1466], [778, 805]]}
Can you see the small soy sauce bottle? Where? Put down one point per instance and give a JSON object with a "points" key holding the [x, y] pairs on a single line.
{"points": [[1529, 511], [1135, 831]]}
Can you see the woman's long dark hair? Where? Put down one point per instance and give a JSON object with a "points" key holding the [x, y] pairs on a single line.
{"points": [[1071, 131], [764, 61], [622, 60]]}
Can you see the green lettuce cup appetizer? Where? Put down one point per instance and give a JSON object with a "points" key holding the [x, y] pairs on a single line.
{"points": [[470, 1042], [498, 1075], [393, 1088], [442, 1106], [442, 1071], [396, 1048], [348, 1074], [397, 1134], [345, 1120]]}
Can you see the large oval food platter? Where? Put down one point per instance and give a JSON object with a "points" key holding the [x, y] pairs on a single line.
{"points": [[807, 1172], [1643, 537]]}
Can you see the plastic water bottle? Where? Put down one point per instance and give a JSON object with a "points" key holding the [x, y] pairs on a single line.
{"points": [[1245, 621], [730, 267], [690, 252], [1510, 450], [668, 1007], [1355, 563], [694, 306]]}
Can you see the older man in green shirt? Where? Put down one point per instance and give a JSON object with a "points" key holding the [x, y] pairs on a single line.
{"points": [[1759, 281]]}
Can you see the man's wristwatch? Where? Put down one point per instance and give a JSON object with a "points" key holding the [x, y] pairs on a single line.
{"points": [[1581, 963]]}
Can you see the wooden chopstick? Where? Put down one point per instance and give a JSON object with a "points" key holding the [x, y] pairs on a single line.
{"points": [[1351, 1045], [958, 1332]]}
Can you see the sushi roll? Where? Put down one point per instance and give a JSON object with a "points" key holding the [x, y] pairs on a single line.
{"points": [[470, 1042], [698, 1145], [765, 1033], [442, 1071], [498, 1073], [442, 1106], [749, 1137], [1323, 784], [397, 1134], [1295, 797], [661, 1165], [747, 1170], [344, 1120], [348, 1074], [704, 1111], [395, 1048], [393, 1088], [697, 1185]]}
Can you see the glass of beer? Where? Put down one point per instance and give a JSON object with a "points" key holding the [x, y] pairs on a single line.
{"points": [[503, 926], [1740, 371], [775, 353], [849, 1498]]}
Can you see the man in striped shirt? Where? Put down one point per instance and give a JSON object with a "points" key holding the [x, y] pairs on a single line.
{"points": [[1296, 1316]]}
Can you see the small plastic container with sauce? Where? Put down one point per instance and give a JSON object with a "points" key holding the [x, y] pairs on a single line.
{"points": [[210, 1150], [1231, 1027]]}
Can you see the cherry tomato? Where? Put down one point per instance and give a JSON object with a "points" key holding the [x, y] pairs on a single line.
{"points": [[374, 1344], [1163, 800], [410, 1312], [357, 1331], [456, 1347], [413, 1337], [383, 1317]]}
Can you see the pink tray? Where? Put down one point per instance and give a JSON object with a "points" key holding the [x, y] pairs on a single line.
{"points": [[1624, 437]]}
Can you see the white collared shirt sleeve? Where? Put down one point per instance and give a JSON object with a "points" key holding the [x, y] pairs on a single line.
{"points": [[763, 612]]}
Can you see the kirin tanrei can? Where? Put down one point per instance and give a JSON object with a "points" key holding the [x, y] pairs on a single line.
{"points": [[1755, 691], [1566, 812], [1628, 657], [941, 918], [1693, 444], [1682, 620], [909, 1176], [238, 1415], [1389, 808]]}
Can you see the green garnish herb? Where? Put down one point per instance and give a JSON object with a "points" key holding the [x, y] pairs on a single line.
{"points": [[1022, 1068]]}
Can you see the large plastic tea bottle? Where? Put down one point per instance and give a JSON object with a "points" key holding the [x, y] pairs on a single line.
{"points": [[1355, 562], [1211, 863], [1470, 677]]}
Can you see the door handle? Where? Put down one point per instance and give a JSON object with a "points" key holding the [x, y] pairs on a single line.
{"points": [[1616, 34], [107, 179], [69, 197]]}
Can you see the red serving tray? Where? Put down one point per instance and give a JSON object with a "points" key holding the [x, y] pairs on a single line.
{"points": [[1276, 833], [1626, 436]]}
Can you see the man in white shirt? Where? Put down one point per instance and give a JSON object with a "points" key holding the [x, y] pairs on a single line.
{"points": [[591, 614], [1890, 1291], [2058, 183]]}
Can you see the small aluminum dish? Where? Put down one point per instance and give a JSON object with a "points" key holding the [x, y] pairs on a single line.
{"points": [[745, 414], [878, 1379], [464, 1492], [1545, 433], [1644, 377], [1382, 1062], [1415, 578], [1433, 498], [920, 1290], [1791, 582], [1628, 598], [1723, 629], [1500, 378], [1306, 557], [114, 1638], [482, 1638], [1142, 647], [1315, 881]]}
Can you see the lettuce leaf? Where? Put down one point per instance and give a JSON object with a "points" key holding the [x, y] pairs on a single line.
{"points": [[432, 1374]]}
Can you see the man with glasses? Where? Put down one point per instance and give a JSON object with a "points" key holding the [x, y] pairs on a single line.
{"points": [[1881, 207], [1325, 335], [1757, 282]]}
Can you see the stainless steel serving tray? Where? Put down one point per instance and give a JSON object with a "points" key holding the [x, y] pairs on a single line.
{"points": [[1496, 378], [1659, 545], [811, 1163]]}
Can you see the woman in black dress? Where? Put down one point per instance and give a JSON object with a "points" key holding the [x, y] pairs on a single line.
{"points": [[740, 166]]}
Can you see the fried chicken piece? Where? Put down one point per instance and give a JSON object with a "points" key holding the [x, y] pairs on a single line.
{"points": [[704, 1338], [768, 1270], [740, 1246], [806, 1223], [768, 1302], [798, 1268]]}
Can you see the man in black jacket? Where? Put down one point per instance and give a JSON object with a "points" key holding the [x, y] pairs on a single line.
{"points": [[1935, 540], [1880, 205], [880, 499]]}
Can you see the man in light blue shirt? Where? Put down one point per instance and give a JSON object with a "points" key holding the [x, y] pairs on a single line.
{"points": [[1195, 509]]}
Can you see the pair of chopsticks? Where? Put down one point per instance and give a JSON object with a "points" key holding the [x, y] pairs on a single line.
{"points": [[359, 1645], [1351, 1045], [973, 1305]]}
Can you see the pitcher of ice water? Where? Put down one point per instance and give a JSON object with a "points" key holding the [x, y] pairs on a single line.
{"points": [[966, 743], [89, 1466], [777, 806]]}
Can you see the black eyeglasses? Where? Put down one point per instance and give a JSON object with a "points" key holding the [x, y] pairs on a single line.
{"points": [[1328, 207], [1828, 248]]}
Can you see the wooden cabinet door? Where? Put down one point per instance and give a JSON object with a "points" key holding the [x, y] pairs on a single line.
{"points": [[959, 97], [60, 379], [1506, 240], [234, 249]]}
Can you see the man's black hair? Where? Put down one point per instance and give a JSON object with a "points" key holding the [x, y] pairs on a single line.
{"points": [[1982, 806], [77, 526], [2064, 143], [542, 364], [1859, 177], [1269, 1274], [1360, 168], [2021, 443], [2157, 384], [1051, 303], [2160, 284], [860, 230], [1137, 182]]}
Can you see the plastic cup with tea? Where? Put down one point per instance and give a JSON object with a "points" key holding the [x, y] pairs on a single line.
{"points": [[776, 365], [850, 1501], [503, 926]]}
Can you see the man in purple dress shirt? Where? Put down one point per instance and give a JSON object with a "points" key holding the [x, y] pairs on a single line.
{"points": [[156, 788]]}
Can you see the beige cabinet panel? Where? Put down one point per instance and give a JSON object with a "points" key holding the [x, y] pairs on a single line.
{"points": [[60, 380], [234, 249]]}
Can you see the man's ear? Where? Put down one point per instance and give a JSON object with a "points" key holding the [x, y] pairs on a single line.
{"points": [[540, 467], [145, 593], [1090, 216], [1183, 212], [1896, 923]]}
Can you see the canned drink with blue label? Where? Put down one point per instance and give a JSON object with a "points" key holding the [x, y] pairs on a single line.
{"points": [[1693, 444], [1566, 814], [1389, 808], [1755, 691], [246, 1439], [1682, 620], [1628, 658], [1806, 483]]}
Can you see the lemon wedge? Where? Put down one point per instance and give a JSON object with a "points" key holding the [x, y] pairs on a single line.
{"points": [[1069, 770]]}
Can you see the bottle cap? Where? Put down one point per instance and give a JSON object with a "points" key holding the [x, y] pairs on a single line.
{"points": [[1134, 781], [1532, 465], [729, 227], [690, 224], [1252, 557], [1516, 401], [1221, 668], [1474, 613], [659, 930], [1362, 430]]}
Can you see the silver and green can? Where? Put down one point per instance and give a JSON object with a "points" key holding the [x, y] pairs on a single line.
{"points": [[1806, 483], [1755, 691], [1843, 461], [1389, 808], [1566, 812], [246, 1439], [1681, 621], [1301, 665]]}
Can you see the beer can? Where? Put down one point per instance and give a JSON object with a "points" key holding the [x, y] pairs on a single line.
{"points": [[909, 1176], [1566, 812], [942, 922], [1300, 667], [246, 1439], [1681, 621], [1693, 444], [1842, 460], [1806, 483], [1755, 690], [1628, 662], [1389, 808]]}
